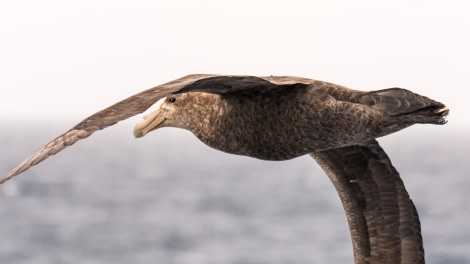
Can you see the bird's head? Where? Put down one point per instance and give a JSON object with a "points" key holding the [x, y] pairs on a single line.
{"points": [[166, 112]]}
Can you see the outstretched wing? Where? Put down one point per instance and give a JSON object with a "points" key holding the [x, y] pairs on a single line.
{"points": [[122, 110], [138, 103], [383, 221]]}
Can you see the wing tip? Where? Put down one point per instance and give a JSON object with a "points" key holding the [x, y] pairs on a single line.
{"points": [[10, 175]]}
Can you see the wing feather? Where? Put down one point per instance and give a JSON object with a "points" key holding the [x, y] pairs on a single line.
{"points": [[383, 220]]}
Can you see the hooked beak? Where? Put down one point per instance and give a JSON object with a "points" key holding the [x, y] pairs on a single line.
{"points": [[151, 121]]}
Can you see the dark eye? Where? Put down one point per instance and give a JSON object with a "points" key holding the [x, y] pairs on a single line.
{"points": [[172, 100]]}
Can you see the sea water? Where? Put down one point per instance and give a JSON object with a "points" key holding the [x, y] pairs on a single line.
{"points": [[168, 198]]}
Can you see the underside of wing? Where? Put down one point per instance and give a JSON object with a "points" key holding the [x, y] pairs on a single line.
{"points": [[383, 221]]}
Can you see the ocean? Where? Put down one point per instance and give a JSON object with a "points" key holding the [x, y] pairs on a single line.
{"points": [[168, 198]]}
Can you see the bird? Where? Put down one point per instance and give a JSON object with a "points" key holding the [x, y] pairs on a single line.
{"points": [[283, 117]]}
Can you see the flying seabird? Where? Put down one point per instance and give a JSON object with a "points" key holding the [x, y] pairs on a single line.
{"points": [[283, 117]]}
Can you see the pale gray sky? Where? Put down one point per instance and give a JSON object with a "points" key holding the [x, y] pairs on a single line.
{"points": [[66, 60]]}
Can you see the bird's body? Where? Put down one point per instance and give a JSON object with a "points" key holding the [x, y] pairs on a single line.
{"points": [[279, 122], [283, 117]]}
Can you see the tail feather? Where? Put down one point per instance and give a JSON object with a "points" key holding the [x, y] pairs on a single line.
{"points": [[401, 102]]}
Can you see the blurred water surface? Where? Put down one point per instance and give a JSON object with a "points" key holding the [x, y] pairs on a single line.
{"points": [[168, 198]]}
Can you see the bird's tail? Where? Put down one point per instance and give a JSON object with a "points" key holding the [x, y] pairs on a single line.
{"points": [[405, 106]]}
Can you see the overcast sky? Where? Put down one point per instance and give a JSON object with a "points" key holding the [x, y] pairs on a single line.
{"points": [[68, 59]]}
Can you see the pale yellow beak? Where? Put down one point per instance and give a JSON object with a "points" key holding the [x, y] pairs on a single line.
{"points": [[151, 121]]}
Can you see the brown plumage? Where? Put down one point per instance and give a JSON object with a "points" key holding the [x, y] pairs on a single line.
{"points": [[282, 117]]}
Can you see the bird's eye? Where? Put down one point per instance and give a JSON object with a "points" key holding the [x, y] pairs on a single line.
{"points": [[172, 100]]}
